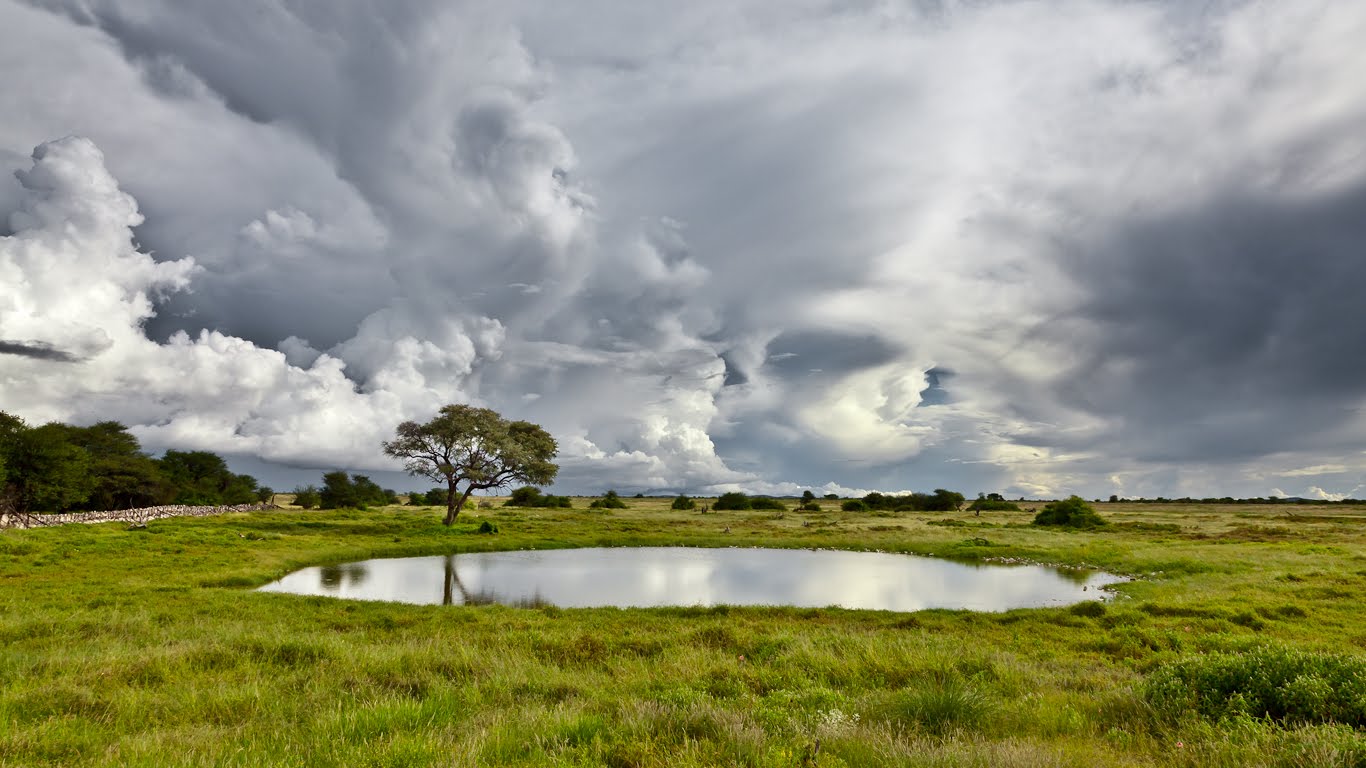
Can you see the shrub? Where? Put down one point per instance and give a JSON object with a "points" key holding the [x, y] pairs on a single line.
{"points": [[810, 506], [684, 502], [1296, 687], [854, 505], [1072, 512], [488, 527], [766, 502], [732, 500]]}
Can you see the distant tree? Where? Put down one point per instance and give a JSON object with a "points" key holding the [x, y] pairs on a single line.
{"points": [[1072, 512], [808, 496], [45, 471], [475, 448], [338, 492], [201, 477], [609, 500], [265, 494], [854, 505], [122, 476], [1114, 498], [766, 502], [832, 497], [684, 502], [526, 496], [436, 497], [732, 500], [307, 497]]}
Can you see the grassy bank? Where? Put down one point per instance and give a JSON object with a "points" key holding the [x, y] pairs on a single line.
{"points": [[148, 647]]}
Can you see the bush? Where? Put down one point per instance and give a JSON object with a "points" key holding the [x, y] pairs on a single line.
{"points": [[684, 502], [1072, 512], [732, 500], [810, 506], [765, 502], [854, 505], [487, 527], [1295, 687]]}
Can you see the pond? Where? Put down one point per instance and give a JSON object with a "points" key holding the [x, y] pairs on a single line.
{"points": [[644, 577]]}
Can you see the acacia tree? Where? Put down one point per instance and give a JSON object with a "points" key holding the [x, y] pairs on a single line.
{"points": [[475, 447]]}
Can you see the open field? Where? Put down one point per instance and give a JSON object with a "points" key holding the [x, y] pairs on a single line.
{"points": [[146, 647]]}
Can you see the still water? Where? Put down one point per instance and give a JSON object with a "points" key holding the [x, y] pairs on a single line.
{"points": [[688, 576]]}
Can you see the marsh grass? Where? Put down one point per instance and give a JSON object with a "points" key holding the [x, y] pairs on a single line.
{"points": [[148, 647]]}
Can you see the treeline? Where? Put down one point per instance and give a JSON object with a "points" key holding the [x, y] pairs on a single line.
{"points": [[1231, 500], [56, 467], [940, 501]]}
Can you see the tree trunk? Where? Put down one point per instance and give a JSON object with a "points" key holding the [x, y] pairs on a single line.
{"points": [[452, 506]]}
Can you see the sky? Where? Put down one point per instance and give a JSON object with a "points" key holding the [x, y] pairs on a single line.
{"points": [[1036, 247]]}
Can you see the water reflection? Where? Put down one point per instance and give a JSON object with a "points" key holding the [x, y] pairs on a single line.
{"points": [[685, 576]]}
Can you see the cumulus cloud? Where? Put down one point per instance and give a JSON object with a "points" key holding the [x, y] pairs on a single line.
{"points": [[1086, 246]]}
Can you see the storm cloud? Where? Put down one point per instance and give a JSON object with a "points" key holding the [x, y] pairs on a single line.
{"points": [[1039, 248]]}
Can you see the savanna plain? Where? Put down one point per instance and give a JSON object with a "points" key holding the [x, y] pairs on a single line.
{"points": [[1240, 642]]}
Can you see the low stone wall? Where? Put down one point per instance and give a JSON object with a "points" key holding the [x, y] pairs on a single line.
{"points": [[130, 516]]}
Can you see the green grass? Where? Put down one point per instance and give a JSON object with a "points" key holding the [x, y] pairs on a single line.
{"points": [[148, 647]]}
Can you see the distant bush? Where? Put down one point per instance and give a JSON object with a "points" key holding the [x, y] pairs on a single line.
{"points": [[609, 500], [766, 502], [854, 505], [832, 497], [941, 500], [684, 502], [488, 527], [1071, 512], [732, 500], [810, 506], [1290, 686]]}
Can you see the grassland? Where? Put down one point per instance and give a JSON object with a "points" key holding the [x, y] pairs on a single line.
{"points": [[147, 647]]}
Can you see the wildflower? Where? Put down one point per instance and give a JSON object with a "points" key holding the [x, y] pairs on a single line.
{"points": [[1180, 745]]}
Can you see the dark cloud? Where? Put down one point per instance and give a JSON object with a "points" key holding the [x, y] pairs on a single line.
{"points": [[37, 351], [1226, 330]]}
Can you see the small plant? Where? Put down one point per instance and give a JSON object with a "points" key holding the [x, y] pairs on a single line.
{"points": [[810, 506], [488, 527], [1072, 512], [684, 502], [941, 707]]}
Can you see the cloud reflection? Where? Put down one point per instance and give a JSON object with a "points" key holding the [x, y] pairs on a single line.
{"points": [[685, 576]]}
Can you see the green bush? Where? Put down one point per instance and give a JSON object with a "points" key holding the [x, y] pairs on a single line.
{"points": [[684, 502], [765, 502], [732, 500], [810, 506], [1290, 686], [488, 527], [854, 505], [1072, 512]]}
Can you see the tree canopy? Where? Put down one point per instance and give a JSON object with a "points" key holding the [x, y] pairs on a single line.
{"points": [[472, 449]]}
